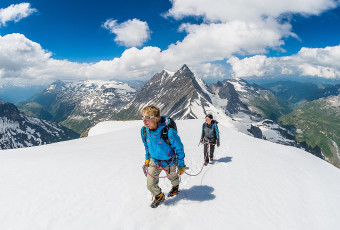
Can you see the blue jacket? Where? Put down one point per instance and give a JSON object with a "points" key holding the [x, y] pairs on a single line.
{"points": [[157, 149]]}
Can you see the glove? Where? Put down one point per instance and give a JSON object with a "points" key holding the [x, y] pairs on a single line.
{"points": [[201, 141], [218, 142], [147, 162], [181, 170]]}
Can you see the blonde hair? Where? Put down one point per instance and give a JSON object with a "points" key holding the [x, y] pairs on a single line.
{"points": [[152, 110]]}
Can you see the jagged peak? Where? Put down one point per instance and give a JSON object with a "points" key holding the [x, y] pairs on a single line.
{"points": [[185, 67], [185, 72]]}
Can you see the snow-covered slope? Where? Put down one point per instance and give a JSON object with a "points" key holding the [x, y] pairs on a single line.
{"points": [[97, 183]]}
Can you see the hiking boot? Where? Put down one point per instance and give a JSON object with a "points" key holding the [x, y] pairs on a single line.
{"points": [[205, 163], [158, 200], [211, 159], [173, 192]]}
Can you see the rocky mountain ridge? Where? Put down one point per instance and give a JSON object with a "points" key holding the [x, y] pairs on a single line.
{"points": [[180, 95], [18, 130]]}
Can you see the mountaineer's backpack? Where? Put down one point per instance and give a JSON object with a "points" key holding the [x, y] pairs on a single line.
{"points": [[170, 123]]}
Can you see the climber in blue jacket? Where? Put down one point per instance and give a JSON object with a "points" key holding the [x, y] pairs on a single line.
{"points": [[163, 151]]}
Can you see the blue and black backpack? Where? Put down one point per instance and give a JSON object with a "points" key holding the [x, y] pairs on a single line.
{"points": [[170, 123]]}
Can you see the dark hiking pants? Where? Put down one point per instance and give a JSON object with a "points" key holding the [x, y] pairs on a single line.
{"points": [[208, 147]]}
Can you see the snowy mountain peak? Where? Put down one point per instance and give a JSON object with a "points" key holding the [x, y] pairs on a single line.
{"points": [[181, 96]]}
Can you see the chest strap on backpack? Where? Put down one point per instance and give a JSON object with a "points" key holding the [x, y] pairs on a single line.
{"points": [[164, 134]]}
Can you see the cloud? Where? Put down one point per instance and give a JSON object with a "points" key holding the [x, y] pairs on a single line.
{"points": [[22, 59], [221, 37], [245, 10], [211, 42], [316, 62], [129, 33], [15, 12]]}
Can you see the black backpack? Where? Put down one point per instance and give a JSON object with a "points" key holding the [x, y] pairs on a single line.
{"points": [[170, 123]]}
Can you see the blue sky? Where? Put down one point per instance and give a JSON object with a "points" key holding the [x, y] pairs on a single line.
{"points": [[42, 41]]}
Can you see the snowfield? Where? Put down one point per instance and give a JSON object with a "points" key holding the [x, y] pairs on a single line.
{"points": [[97, 183]]}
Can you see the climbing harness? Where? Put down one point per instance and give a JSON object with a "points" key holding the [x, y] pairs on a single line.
{"points": [[146, 171], [158, 165]]}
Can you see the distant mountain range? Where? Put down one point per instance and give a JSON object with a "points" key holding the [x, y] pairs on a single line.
{"points": [[296, 94], [15, 94], [318, 124], [255, 109], [18, 130], [79, 105]]}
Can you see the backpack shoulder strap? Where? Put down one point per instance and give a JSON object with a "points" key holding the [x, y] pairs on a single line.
{"points": [[165, 134], [217, 131], [144, 133], [170, 123]]}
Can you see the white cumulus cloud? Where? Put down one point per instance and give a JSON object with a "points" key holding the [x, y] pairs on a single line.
{"points": [[129, 33], [211, 42], [245, 10], [22, 59], [316, 62], [15, 12]]}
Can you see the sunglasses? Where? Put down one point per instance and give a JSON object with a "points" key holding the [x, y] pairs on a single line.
{"points": [[207, 119], [147, 117]]}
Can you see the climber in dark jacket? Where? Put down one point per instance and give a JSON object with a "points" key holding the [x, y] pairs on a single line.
{"points": [[210, 137]]}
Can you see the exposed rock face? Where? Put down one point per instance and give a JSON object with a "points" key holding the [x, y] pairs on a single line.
{"points": [[256, 131], [180, 95]]}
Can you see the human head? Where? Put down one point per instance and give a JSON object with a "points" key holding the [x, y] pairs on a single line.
{"points": [[151, 116], [208, 118]]}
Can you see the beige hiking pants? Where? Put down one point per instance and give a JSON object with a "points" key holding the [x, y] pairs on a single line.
{"points": [[152, 183]]}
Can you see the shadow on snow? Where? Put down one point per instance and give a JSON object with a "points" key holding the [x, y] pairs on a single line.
{"points": [[224, 160], [195, 193], [198, 193]]}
